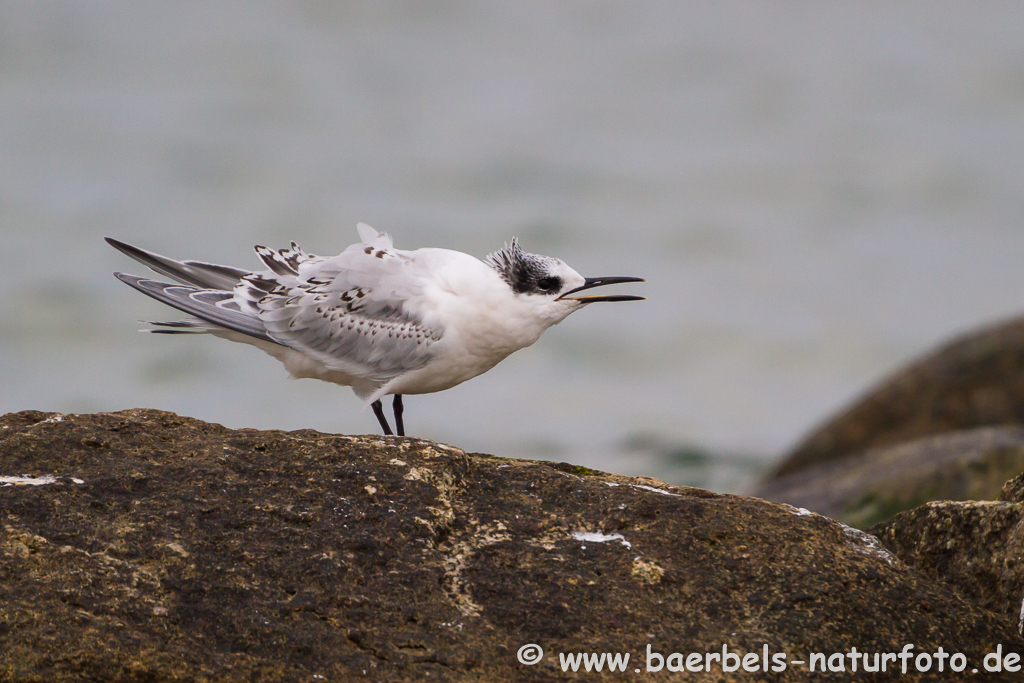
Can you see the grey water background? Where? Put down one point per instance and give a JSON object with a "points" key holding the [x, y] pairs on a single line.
{"points": [[816, 192]]}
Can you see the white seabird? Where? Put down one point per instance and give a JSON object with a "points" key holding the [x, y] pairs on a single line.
{"points": [[378, 319]]}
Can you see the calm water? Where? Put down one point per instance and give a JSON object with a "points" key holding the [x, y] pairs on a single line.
{"points": [[816, 193]]}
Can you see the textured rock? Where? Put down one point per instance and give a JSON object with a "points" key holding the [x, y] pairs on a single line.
{"points": [[975, 380], [1013, 490], [976, 548], [142, 546], [870, 487]]}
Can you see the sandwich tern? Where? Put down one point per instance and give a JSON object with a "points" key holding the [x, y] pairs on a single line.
{"points": [[381, 320]]}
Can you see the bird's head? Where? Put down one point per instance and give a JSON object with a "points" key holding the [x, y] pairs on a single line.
{"points": [[548, 284]]}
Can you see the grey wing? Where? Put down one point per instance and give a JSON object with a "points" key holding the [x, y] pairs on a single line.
{"points": [[350, 312], [207, 290], [211, 305], [196, 273], [353, 331]]}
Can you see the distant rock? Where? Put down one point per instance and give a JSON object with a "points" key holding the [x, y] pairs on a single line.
{"points": [[975, 380], [975, 548], [870, 487], [143, 546]]}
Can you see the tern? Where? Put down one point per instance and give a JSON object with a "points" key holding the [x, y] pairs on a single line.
{"points": [[381, 320]]}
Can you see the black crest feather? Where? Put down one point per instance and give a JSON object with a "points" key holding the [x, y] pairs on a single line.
{"points": [[520, 269]]}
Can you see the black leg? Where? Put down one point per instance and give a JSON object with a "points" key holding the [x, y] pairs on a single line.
{"points": [[399, 408], [378, 410]]}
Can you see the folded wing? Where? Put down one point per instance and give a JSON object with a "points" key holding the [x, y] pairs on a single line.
{"points": [[348, 312]]}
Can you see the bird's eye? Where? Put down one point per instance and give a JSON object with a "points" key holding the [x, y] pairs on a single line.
{"points": [[549, 284]]}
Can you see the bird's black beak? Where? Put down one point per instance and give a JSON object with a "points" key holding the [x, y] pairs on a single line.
{"points": [[592, 282]]}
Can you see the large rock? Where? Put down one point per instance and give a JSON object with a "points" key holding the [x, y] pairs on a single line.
{"points": [[142, 546], [976, 548], [975, 380], [870, 487]]}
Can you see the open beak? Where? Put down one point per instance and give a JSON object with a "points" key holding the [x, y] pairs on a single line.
{"points": [[592, 282]]}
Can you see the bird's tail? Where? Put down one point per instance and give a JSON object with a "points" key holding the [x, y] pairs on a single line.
{"points": [[186, 326]]}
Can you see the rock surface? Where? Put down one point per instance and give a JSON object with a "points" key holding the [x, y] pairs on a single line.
{"points": [[976, 548], [143, 546], [870, 487], [1013, 490], [975, 380]]}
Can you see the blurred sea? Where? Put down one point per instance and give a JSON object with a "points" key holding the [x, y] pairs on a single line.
{"points": [[816, 192]]}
